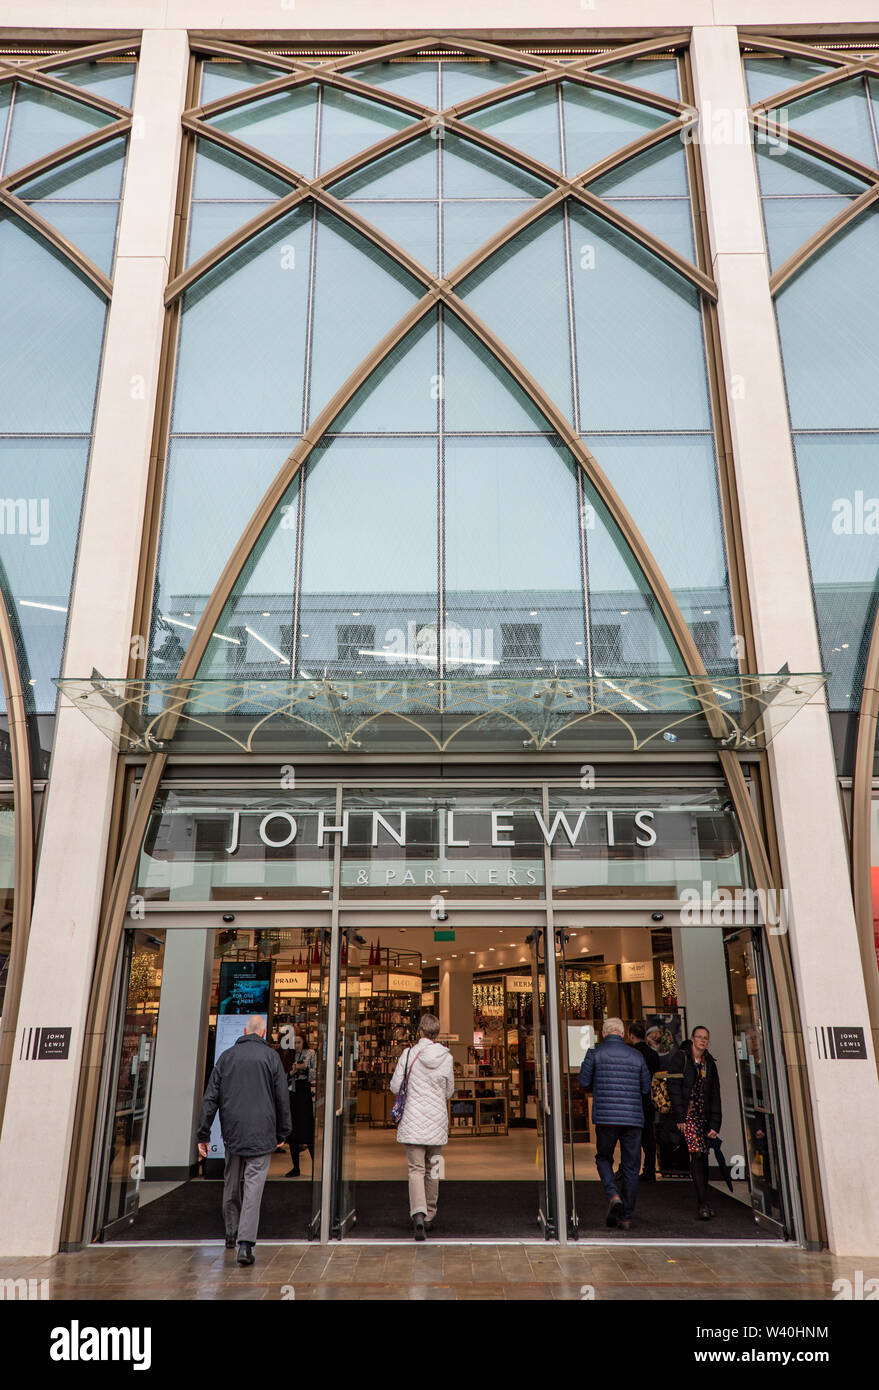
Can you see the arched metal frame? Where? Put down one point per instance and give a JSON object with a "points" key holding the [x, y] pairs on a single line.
{"points": [[438, 290], [843, 67], [37, 71]]}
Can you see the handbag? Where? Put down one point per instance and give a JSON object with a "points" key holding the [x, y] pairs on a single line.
{"points": [[659, 1093], [399, 1104]]}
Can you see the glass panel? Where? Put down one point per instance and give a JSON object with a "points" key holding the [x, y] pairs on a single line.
{"points": [[5, 96], [369, 564], [411, 225], [108, 78], [839, 486], [51, 386], [403, 392], [837, 116], [783, 170], [373, 859], [667, 218], [90, 226], [545, 1077], [467, 225], [468, 77], [43, 121], [220, 174], [359, 293], [521, 294], [417, 81], [831, 377], [478, 393], [254, 636], [210, 223], [241, 360], [597, 123], [528, 122], [349, 124], [471, 172], [95, 174], [514, 586], [39, 522], [352, 960], [222, 79], [791, 221], [646, 838], [768, 75], [201, 846], [282, 126], [627, 633], [669, 486], [618, 284], [660, 170], [211, 490], [134, 1048], [410, 172], [653, 74]]}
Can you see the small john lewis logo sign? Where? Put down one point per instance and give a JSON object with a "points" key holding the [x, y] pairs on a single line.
{"points": [[837, 1044], [44, 1044]]}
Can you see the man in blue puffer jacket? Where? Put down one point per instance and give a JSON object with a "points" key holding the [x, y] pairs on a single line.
{"points": [[618, 1078]]}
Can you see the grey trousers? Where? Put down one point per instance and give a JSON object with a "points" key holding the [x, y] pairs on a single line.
{"points": [[243, 1182]]}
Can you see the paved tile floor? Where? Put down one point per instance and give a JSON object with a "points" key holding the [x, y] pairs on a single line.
{"points": [[435, 1271]]}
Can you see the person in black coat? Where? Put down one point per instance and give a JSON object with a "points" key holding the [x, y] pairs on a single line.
{"points": [[694, 1092], [248, 1087], [637, 1036]]}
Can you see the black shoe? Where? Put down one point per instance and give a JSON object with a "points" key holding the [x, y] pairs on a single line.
{"points": [[647, 1177], [625, 1224], [245, 1252], [705, 1213], [418, 1222], [430, 1226], [293, 1173], [614, 1212], [231, 1242]]}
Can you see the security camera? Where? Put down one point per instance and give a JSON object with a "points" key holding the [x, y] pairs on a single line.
{"points": [[228, 916], [441, 915], [657, 916]]}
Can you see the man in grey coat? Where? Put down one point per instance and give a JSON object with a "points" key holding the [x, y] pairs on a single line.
{"points": [[618, 1078], [249, 1088]]}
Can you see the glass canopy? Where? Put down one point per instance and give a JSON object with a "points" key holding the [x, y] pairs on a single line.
{"points": [[419, 714]]}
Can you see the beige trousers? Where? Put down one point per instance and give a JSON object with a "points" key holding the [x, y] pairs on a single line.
{"points": [[423, 1178]]}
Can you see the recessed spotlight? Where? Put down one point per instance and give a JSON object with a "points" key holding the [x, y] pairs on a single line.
{"points": [[624, 612], [266, 613]]}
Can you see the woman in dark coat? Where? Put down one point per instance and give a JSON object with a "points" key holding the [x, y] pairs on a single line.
{"points": [[303, 1068], [694, 1092]]}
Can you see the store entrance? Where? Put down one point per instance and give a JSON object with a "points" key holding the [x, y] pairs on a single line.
{"points": [[518, 1006]]}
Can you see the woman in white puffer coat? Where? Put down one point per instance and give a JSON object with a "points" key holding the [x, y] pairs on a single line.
{"points": [[424, 1128]]}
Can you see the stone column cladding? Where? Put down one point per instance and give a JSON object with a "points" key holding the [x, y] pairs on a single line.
{"points": [[823, 935], [35, 1142]]}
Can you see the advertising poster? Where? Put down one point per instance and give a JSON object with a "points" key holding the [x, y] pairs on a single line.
{"points": [[245, 989]]}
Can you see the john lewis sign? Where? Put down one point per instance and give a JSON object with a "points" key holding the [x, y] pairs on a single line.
{"points": [[278, 829]]}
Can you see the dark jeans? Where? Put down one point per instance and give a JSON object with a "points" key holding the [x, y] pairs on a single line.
{"points": [[629, 1138]]}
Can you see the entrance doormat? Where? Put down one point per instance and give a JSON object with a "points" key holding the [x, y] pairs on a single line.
{"points": [[483, 1209]]}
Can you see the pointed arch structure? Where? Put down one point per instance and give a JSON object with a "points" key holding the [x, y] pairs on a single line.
{"points": [[437, 291], [39, 72], [841, 67]]}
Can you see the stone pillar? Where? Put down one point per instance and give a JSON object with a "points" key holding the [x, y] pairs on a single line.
{"points": [[40, 1106], [823, 935], [178, 1069], [703, 990]]}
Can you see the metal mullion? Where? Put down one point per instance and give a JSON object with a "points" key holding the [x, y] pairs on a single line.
{"points": [[440, 417], [306, 402]]}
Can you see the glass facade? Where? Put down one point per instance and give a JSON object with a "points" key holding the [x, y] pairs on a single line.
{"points": [[830, 375], [50, 358], [439, 521]]}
